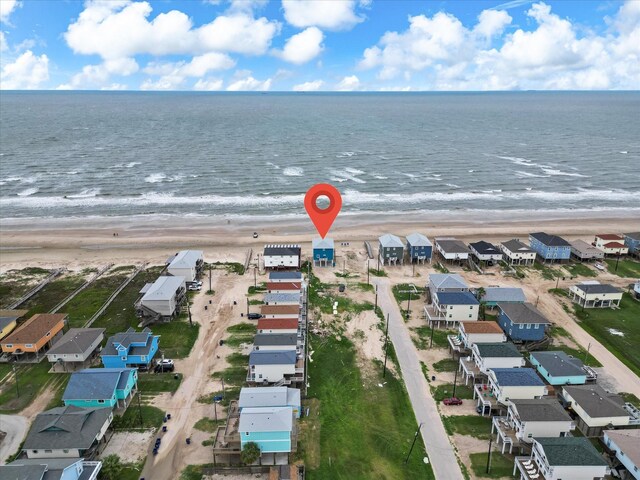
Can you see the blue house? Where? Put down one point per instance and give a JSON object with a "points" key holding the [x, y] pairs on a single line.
{"points": [[495, 295], [632, 241], [522, 322], [130, 349], [419, 247], [558, 368], [550, 248], [270, 397], [270, 427], [323, 251], [101, 387]]}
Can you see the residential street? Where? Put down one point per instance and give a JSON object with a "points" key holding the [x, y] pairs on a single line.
{"points": [[439, 448], [15, 426]]}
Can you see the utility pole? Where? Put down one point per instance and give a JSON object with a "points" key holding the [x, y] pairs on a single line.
{"points": [[409, 306], [15, 374], [223, 392], [489, 452], [247, 306], [189, 312], [557, 282], [376, 305], [455, 381], [378, 261], [344, 266], [431, 341], [210, 289], [386, 348], [415, 437], [368, 282], [140, 411], [255, 278], [586, 355], [413, 269], [617, 260]]}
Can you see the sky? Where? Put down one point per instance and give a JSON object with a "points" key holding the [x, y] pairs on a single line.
{"points": [[320, 45]]}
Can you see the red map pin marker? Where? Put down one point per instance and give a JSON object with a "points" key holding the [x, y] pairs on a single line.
{"points": [[323, 218]]}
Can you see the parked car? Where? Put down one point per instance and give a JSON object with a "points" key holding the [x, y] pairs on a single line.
{"points": [[254, 316], [452, 401], [194, 288], [165, 365]]}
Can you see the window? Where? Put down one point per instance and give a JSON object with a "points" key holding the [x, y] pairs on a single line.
{"points": [[9, 345], [48, 451], [48, 334], [65, 451], [259, 375], [246, 433], [100, 401], [530, 435], [471, 307], [29, 345], [528, 326], [470, 316], [521, 326], [536, 326]]}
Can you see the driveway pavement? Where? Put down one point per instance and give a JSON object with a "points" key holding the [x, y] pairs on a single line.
{"points": [[15, 427]]}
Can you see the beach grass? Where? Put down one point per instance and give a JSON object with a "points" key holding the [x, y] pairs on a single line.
{"points": [[153, 383], [32, 379], [617, 329], [501, 465], [445, 365], [53, 293], [152, 417], [208, 424], [627, 268], [422, 337], [348, 399], [176, 337], [16, 283], [547, 272], [475, 426], [580, 270], [443, 391]]}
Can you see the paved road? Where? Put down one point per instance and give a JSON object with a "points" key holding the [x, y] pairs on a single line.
{"points": [[15, 427], [439, 448]]}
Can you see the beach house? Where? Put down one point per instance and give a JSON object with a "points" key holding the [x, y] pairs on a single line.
{"points": [[271, 428], [452, 249], [624, 445], [35, 336], [323, 252], [391, 250], [284, 287], [594, 408], [68, 432], [452, 307], [611, 244], [506, 384], [522, 322], [280, 311], [593, 294], [187, 264], [282, 299], [275, 341], [274, 366], [486, 253], [285, 277], [419, 248], [485, 356], [529, 419], [561, 458], [9, 321], [282, 256], [101, 388], [470, 333], [494, 295], [76, 348], [558, 368], [51, 469], [446, 282], [130, 349], [162, 299], [271, 397], [278, 325], [514, 252], [632, 241], [583, 251], [550, 248]]}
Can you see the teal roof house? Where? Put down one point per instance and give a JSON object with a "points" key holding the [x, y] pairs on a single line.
{"points": [[270, 397], [272, 428], [495, 295], [130, 349], [558, 368], [101, 388]]}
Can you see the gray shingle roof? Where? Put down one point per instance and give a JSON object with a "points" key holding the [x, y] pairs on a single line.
{"points": [[28, 468], [585, 249], [633, 235], [268, 397], [18, 471], [164, 288], [266, 419], [272, 357], [186, 259], [96, 383], [418, 240], [498, 350], [559, 364], [540, 410], [264, 339], [570, 451], [593, 288], [523, 313], [126, 339], [4, 321], [516, 246], [503, 294], [485, 248], [66, 427], [517, 377], [596, 401], [447, 280], [550, 240], [452, 245], [76, 340], [285, 276], [281, 297], [390, 241]]}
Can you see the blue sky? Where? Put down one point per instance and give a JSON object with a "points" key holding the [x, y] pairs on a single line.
{"points": [[320, 45]]}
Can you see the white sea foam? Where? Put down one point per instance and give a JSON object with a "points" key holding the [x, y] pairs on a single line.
{"points": [[132, 164], [517, 160], [410, 175], [345, 154], [28, 191], [521, 174], [347, 175], [161, 177], [293, 172], [339, 180], [271, 164], [623, 152], [86, 193], [72, 172], [380, 177], [354, 171], [452, 185], [560, 173]]}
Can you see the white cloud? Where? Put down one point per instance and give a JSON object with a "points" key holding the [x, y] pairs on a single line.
{"points": [[308, 86], [121, 28], [115, 86], [492, 22], [249, 84], [3, 42], [208, 85], [331, 15], [348, 84], [28, 71], [97, 76], [6, 8], [302, 47]]}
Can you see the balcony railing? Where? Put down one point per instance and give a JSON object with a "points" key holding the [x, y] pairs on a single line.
{"points": [[528, 468]]}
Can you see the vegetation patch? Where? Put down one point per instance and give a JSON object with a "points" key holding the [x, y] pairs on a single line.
{"points": [[440, 268], [560, 292], [208, 424], [52, 294], [445, 365], [377, 273], [627, 268], [422, 337], [580, 270], [84, 305], [16, 283], [475, 426], [631, 398], [32, 379], [441, 392], [159, 382], [229, 394], [241, 333], [143, 416], [501, 465], [176, 337], [547, 272]]}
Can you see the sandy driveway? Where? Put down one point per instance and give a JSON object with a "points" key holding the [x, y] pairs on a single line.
{"points": [[15, 427]]}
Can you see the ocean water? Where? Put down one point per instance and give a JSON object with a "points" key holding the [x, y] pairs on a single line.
{"points": [[77, 154]]}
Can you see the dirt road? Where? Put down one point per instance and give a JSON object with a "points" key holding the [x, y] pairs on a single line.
{"points": [[15, 427]]}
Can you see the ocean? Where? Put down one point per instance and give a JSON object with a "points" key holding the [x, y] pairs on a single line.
{"points": [[115, 154]]}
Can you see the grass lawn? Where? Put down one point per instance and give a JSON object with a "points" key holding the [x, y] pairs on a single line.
{"points": [[52, 294], [578, 353], [365, 431], [501, 465], [547, 272], [445, 391], [626, 268], [208, 424], [131, 471], [87, 302], [377, 273], [323, 296], [158, 382], [422, 337], [631, 398], [151, 417], [472, 425], [580, 270], [241, 333], [31, 380], [445, 365], [598, 321], [15, 283], [176, 337]]}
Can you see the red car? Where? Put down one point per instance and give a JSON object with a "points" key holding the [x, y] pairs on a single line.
{"points": [[452, 401]]}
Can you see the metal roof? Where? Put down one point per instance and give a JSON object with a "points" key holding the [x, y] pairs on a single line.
{"points": [[540, 410], [281, 297], [164, 288], [271, 339], [4, 321], [186, 259], [498, 350], [447, 280], [456, 298], [269, 397], [46, 469], [633, 235], [523, 313], [322, 243], [19, 471], [550, 240], [452, 245], [485, 248], [596, 401], [76, 340], [272, 357], [390, 241], [418, 240], [283, 286], [585, 249], [280, 309], [628, 442], [516, 246], [96, 383], [282, 250], [285, 276], [517, 377], [570, 451], [559, 364], [503, 294], [592, 288], [66, 428], [266, 419]]}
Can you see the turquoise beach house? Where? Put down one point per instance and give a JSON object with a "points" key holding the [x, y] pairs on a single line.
{"points": [[101, 387], [130, 349], [558, 368], [323, 252], [272, 428]]}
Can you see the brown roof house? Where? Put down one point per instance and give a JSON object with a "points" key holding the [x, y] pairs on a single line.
{"points": [[35, 336]]}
